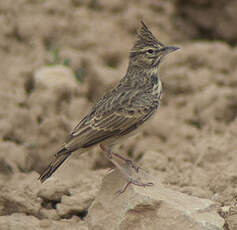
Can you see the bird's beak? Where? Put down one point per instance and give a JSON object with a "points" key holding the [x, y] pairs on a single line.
{"points": [[169, 49]]}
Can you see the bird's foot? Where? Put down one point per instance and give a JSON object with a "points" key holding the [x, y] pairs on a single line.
{"points": [[109, 155], [134, 182]]}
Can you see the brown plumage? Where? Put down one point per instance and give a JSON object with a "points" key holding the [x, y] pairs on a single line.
{"points": [[125, 107]]}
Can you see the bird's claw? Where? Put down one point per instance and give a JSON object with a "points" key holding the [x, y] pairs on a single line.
{"points": [[134, 182]]}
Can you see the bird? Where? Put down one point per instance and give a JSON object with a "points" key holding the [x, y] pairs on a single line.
{"points": [[121, 111]]}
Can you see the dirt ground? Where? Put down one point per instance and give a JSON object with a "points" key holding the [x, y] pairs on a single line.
{"points": [[191, 143]]}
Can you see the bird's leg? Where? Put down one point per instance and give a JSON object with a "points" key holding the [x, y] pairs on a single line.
{"points": [[126, 160], [107, 151], [124, 171], [135, 182], [124, 188], [131, 163], [109, 156]]}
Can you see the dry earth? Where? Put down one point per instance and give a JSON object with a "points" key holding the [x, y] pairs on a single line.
{"points": [[191, 143]]}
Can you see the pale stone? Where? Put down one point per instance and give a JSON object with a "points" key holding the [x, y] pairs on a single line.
{"points": [[149, 208], [81, 196], [72, 193], [49, 214], [16, 199], [45, 223], [56, 76]]}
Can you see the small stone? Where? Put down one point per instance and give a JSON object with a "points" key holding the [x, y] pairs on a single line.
{"points": [[45, 223], [49, 213], [56, 76]]}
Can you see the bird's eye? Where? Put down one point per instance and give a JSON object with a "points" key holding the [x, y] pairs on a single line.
{"points": [[150, 51]]}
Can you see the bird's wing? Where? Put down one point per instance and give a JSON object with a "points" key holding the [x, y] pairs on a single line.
{"points": [[112, 116]]}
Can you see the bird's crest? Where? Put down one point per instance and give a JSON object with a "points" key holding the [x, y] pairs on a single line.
{"points": [[145, 39]]}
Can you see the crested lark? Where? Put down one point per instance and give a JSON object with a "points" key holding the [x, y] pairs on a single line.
{"points": [[121, 111]]}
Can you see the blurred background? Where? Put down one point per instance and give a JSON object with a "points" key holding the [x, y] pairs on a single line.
{"points": [[58, 57]]}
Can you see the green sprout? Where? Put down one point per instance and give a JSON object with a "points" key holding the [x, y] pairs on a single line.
{"points": [[57, 60]]}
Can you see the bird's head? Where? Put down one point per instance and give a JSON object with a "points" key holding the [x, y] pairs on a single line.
{"points": [[147, 51]]}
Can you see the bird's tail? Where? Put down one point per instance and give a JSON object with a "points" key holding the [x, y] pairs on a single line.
{"points": [[59, 158]]}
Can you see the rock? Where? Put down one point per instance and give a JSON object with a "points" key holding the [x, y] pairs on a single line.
{"points": [[55, 86], [80, 198], [45, 223], [150, 207], [19, 221], [20, 197], [68, 194], [53, 190], [17, 158], [81, 195], [56, 76], [49, 214], [23, 222], [72, 224]]}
